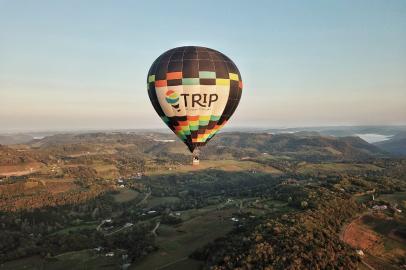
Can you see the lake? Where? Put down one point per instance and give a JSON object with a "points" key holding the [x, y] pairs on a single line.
{"points": [[373, 138]]}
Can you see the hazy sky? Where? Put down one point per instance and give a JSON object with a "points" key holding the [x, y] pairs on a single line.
{"points": [[83, 64]]}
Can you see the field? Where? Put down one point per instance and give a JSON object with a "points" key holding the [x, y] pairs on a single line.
{"points": [[140, 197], [87, 225], [176, 242], [109, 171], [336, 167], [199, 227], [19, 170], [395, 198], [125, 195], [81, 260], [224, 165], [380, 235], [156, 201]]}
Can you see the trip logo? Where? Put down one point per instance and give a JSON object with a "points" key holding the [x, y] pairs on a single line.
{"points": [[190, 100], [173, 98]]}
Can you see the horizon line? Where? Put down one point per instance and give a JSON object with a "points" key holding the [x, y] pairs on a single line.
{"points": [[165, 129]]}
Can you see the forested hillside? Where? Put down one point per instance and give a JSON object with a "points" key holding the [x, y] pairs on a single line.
{"points": [[256, 201]]}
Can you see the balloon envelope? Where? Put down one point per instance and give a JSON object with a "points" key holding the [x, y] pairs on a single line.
{"points": [[195, 90]]}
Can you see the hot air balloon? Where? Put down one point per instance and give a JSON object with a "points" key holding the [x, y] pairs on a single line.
{"points": [[194, 90]]}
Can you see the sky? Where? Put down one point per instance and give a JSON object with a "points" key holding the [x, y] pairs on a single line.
{"points": [[83, 64]]}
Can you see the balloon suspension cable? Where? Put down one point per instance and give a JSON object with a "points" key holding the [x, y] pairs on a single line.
{"points": [[196, 158]]}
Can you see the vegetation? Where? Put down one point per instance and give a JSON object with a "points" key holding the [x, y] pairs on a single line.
{"points": [[257, 202]]}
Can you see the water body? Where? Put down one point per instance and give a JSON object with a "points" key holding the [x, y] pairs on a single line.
{"points": [[374, 138]]}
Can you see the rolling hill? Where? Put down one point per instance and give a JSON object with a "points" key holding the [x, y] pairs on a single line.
{"points": [[301, 144], [396, 145]]}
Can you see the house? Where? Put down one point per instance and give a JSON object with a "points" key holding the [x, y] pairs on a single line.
{"points": [[290, 181], [360, 252], [109, 254], [137, 176], [229, 200], [234, 219], [380, 207]]}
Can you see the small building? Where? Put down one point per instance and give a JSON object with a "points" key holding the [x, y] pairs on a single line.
{"points": [[360, 252], [137, 176], [379, 207], [109, 254], [234, 219], [290, 181], [229, 200]]}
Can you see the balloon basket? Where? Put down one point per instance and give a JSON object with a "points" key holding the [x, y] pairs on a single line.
{"points": [[195, 161]]}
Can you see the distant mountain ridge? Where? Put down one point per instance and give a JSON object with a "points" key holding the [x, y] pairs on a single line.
{"points": [[15, 139], [303, 144], [396, 145]]}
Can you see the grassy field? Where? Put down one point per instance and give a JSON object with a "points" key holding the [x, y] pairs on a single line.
{"points": [[156, 201], [260, 207], [108, 171], [175, 243], [81, 260], [19, 170], [224, 165], [336, 167], [125, 195], [395, 198], [199, 227], [86, 225], [374, 234]]}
